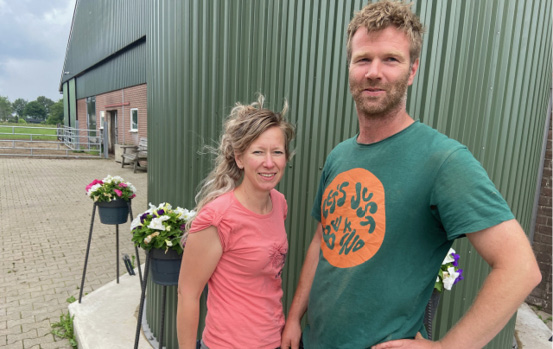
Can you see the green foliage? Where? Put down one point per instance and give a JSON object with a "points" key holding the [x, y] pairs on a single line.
{"points": [[35, 110], [64, 329], [45, 102], [71, 299], [19, 106], [160, 227], [109, 189], [6, 108], [56, 113]]}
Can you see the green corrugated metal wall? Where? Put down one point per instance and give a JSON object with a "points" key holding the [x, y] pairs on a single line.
{"points": [[126, 69], [484, 79], [100, 30]]}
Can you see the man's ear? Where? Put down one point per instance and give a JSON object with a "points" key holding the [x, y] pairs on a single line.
{"points": [[414, 67]]}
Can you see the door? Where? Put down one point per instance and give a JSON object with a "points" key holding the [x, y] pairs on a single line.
{"points": [[112, 131]]}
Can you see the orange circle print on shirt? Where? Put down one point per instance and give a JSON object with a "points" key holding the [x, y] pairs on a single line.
{"points": [[353, 217]]}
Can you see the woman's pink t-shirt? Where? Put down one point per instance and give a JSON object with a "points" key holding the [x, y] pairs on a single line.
{"points": [[244, 302]]}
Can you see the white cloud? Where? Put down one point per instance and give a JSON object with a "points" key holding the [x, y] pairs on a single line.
{"points": [[30, 78], [33, 37]]}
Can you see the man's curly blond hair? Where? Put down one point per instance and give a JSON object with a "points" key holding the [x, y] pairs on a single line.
{"points": [[380, 15]]}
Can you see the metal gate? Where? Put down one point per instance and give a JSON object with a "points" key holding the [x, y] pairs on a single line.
{"points": [[51, 142]]}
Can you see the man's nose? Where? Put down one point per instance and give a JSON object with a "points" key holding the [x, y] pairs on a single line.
{"points": [[374, 70]]}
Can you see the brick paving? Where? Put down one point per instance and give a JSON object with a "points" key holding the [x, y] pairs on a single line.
{"points": [[45, 219]]}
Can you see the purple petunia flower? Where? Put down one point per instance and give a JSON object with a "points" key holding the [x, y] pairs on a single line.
{"points": [[456, 261], [460, 277], [160, 211], [143, 217]]}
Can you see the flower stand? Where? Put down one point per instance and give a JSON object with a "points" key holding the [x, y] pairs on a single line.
{"points": [[165, 267], [115, 215], [430, 312]]}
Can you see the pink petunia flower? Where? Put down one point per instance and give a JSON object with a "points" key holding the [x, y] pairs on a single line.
{"points": [[123, 185], [94, 182], [118, 192]]}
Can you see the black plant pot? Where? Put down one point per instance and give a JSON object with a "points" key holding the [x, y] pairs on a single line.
{"points": [[165, 267], [113, 212]]}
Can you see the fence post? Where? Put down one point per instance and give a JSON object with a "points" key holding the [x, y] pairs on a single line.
{"points": [[105, 139]]}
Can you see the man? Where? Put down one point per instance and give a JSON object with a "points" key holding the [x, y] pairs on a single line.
{"points": [[390, 203]]}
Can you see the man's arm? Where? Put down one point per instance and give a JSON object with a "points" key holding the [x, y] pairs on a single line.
{"points": [[514, 275], [292, 330]]}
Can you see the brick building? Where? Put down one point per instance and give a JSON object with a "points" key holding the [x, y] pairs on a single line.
{"points": [[541, 296]]}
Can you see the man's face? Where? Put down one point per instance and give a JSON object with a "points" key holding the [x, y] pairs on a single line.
{"points": [[380, 71]]}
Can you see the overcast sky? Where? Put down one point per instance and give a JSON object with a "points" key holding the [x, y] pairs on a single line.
{"points": [[33, 39]]}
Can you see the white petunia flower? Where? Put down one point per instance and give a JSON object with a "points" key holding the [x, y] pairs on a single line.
{"points": [[449, 278], [449, 258], [157, 223], [184, 214], [136, 222]]}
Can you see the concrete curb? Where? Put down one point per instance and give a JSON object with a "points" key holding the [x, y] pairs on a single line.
{"points": [[530, 331], [106, 318]]}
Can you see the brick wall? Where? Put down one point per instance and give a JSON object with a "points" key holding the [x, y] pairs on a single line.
{"points": [[541, 296], [123, 101]]}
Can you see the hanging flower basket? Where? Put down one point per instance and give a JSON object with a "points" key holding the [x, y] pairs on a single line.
{"points": [[165, 266], [160, 230], [113, 212]]}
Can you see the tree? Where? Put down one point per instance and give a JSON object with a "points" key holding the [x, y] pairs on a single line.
{"points": [[46, 102], [19, 107], [56, 113], [6, 108], [35, 110]]}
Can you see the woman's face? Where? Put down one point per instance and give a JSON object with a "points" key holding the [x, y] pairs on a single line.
{"points": [[264, 161]]}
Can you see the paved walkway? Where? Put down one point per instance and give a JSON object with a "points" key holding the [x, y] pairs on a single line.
{"points": [[45, 219]]}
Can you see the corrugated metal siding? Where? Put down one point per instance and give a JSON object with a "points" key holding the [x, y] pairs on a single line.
{"points": [[72, 104], [484, 79], [125, 70], [101, 28]]}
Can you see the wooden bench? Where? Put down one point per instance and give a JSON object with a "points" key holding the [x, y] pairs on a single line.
{"points": [[132, 154]]}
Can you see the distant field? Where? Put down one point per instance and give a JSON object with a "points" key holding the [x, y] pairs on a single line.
{"points": [[42, 132]]}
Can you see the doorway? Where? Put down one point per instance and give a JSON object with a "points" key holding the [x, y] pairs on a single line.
{"points": [[112, 131]]}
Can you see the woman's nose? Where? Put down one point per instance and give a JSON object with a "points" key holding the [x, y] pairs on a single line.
{"points": [[269, 160]]}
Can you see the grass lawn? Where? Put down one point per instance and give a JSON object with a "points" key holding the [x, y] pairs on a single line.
{"points": [[22, 131]]}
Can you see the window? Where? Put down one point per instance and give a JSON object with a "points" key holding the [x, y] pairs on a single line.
{"points": [[134, 120], [102, 118]]}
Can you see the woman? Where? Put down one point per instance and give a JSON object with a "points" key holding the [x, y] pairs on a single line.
{"points": [[237, 243]]}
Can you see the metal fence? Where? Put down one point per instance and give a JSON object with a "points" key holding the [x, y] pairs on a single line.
{"points": [[51, 142]]}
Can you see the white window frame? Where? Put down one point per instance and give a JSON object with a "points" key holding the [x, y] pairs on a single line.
{"points": [[102, 118], [135, 129]]}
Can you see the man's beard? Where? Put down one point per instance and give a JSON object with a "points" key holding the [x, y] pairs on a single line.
{"points": [[395, 96]]}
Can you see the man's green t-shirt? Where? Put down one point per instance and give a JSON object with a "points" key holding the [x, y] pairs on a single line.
{"points": [[390, 212]]}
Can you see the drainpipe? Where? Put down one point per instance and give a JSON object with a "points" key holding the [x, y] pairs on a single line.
{"points": [[123, 111], [540, 173]]}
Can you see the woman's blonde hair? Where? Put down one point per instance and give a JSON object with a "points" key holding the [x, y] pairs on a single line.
{"points": [[243, 126]]}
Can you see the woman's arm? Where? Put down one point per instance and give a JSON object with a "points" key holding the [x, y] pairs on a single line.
{"points": [[292, 330], [200, 257]]}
